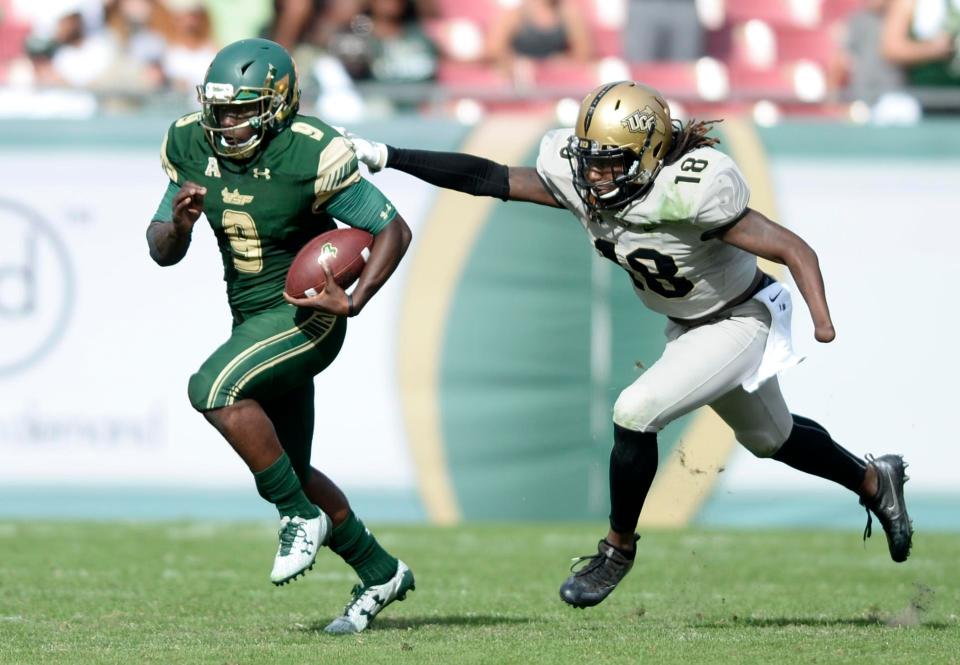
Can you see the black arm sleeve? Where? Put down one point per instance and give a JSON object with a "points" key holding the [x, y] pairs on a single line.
{"points": [[453, 170]]}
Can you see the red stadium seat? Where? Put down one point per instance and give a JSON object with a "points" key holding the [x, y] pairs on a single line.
{"points": [[457, 38], [469, 74], [672, 79], [774, 83], [607, 42], [776, 12], [12, 36], [834, 10], [805, 44], [567, 74], [481, 11]]}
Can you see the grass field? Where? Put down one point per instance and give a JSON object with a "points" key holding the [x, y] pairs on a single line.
{"points": [[198, 593]]}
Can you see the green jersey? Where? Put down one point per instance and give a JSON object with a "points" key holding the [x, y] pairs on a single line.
{"points": [[265, 209]]}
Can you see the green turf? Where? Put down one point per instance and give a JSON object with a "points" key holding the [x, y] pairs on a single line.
{"points": [[198, 593]]}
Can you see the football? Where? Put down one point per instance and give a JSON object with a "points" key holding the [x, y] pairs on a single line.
{"points": [[345, 251]]}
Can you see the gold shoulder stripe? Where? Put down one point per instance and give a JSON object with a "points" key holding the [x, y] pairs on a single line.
{"points": [[167, 164], [336, 170], [188, 119]]}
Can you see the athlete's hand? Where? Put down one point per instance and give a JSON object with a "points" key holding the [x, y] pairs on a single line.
{"points": [[332, 299], [187, 206], [371, 153]]}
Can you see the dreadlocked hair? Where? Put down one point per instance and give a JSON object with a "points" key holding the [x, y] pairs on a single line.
{"points": [[690, 136]]}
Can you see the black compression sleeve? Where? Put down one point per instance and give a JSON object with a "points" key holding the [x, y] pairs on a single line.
{"points": [[453, 170]]}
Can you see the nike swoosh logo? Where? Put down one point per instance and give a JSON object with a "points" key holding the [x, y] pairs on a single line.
{"points": [[894, 505], [773, 298]]}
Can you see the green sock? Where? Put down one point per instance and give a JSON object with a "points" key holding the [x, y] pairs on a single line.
{"points": [[279, 485], [357, 546]]}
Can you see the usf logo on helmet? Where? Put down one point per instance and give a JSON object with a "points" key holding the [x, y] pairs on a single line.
{"points": [[250, 92], [622, 134]]}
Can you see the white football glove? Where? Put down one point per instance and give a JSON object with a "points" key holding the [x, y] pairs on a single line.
{"points": [[371, 153]]}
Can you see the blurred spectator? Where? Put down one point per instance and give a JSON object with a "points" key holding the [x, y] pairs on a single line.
{"points": [[190, 46], [291, 20], [921, 35], [231, 20], [535, 30], [69, 46], [140, 47], [860, 67], [386, 44], [332, 18], [662, 30]]}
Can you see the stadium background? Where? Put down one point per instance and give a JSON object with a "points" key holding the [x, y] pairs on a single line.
{"points": [[479, 384]]}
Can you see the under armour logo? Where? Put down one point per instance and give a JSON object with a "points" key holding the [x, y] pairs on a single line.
{"points": [[265, 174]]}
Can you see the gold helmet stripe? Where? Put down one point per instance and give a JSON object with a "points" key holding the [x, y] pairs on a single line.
{"points": [[588, 118]]}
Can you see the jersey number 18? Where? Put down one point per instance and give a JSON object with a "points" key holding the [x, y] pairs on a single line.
{"points": [[662, 279]]}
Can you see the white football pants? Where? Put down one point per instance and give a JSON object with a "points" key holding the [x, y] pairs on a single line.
{"points": [[706, 365]]}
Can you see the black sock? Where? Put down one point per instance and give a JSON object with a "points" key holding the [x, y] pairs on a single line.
{"points": [[810, 449], [633, 464]]}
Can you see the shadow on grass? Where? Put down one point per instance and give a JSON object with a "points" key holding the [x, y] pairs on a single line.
{"points": [[784, 622], [403, 623]]}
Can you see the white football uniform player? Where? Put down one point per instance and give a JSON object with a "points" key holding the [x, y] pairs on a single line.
{"points": [[717, 334]]}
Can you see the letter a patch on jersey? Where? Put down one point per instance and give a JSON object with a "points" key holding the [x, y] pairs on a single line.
{"points": [[213, 169]]}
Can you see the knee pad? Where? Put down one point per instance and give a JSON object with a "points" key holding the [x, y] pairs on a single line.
{"points": [[638, 409]]}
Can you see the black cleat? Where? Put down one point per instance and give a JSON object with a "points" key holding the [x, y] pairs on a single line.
{"points": [[596, 580], [889, 506]]}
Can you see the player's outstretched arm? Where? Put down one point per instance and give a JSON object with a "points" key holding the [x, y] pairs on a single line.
{"points": [[169, 239], [458, 171], [758, 235]]}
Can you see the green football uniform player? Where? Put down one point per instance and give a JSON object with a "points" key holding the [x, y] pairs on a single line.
{"points": [[268, 180]]}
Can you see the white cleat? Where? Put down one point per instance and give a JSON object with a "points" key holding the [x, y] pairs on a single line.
{"points": [[368, 601], [300, 539]]}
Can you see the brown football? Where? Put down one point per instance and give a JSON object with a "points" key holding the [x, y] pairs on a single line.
{"points": [[345, 251]]}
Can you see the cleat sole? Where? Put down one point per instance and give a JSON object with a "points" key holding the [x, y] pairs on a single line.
{"points": [[302, 573]]}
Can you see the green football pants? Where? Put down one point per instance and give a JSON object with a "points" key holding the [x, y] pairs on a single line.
{"points": [[272, 357]]}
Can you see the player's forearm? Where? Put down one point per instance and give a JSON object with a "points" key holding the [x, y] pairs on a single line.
{"points": [[453, 170], [805, 268], [388, 248], [168, 243]]}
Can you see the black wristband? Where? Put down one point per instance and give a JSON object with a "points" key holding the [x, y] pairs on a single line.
{"points": [[350, 311], [453, 170]]}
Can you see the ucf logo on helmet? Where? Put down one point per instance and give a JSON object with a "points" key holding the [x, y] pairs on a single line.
{"points": [[640, 121]]}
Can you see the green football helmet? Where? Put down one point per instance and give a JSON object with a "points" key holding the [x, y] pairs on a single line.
{"points": [[249, 72]]}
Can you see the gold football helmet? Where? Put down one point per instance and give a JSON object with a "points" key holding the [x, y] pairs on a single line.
{"points": [[622, 134]]}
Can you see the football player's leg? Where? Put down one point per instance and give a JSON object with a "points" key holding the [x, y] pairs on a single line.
{"points": [[293, 418], [697, 365], [269, 354], [764, 425], [383, 578]]}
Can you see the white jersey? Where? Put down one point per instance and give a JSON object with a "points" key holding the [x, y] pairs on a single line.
{"points": [[664, 240]]}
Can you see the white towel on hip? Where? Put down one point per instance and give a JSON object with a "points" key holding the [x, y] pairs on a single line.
{"points": [[778, 354]]}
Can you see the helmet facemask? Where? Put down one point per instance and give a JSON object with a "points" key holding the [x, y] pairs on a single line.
{"points": [[625, 179], [219, 99]]}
